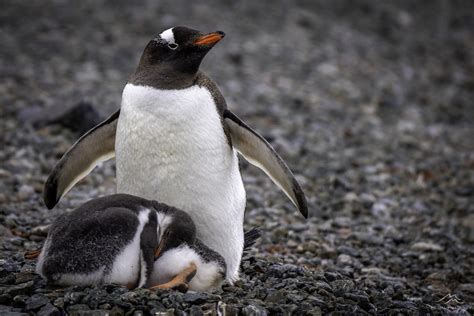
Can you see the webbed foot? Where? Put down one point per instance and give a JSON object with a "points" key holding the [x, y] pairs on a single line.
{"points": [[180, 281]]}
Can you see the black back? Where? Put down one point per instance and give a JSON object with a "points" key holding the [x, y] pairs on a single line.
{"points": [[90, 237]]}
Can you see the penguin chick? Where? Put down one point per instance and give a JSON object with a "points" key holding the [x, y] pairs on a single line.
{"points": [[112, 239], [209, 267], [181, 260], [201, 267]]}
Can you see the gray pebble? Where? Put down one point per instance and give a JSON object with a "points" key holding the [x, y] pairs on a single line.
{"points": [[195, 297], [23, 288], [48, 310], [36, 301], [251, 310], [278, 296]]}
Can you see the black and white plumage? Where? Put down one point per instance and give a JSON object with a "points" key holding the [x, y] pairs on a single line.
{"points": [[175, 141], [127, 240]]}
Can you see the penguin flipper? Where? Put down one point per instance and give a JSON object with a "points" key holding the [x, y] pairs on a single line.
{"points": [[261, 154], [95, 146]]}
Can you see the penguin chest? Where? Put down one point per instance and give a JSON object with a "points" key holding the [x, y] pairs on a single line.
{"points": [[171, 146]]}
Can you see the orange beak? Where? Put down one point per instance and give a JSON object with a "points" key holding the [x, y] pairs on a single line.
{"points": [[159, 249], [209, 38]]}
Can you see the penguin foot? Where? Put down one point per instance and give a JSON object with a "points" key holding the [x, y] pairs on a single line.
{"points": [[32, 254], [183, 287], [180, 281]]}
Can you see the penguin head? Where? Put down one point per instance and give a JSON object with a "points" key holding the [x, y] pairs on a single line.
{"points": [[180, 230], [178, 51]]}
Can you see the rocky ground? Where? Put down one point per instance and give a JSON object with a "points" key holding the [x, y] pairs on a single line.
{"points": [[370, 103]]}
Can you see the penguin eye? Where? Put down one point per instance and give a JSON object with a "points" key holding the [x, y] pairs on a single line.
{"points": [[173, 46]]}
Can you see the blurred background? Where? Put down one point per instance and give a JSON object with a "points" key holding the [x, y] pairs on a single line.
{"points": [[369, 102]]}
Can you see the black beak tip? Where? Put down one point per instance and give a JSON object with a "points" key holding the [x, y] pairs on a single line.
{"points": [[221, 33]]}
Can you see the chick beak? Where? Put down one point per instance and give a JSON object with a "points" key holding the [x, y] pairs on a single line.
{"points": [[160, 248]]}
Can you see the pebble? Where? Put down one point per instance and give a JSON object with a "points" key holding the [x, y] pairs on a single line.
{"points": [[426, 246], [36, 301], [344, 259], [276, 297], [23, 288], [25, 192], [48, 310], [195, 298], [78, 308], [41, 230], [59, 302], [251, 310], [467, 287], [23, 277]]}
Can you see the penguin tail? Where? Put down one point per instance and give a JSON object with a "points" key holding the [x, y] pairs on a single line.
{"points": [[250, 237]]}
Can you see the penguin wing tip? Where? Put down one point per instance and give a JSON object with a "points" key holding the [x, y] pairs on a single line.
{"points": [[50, 202], [300, 199], [303, 209], [50, 192]]}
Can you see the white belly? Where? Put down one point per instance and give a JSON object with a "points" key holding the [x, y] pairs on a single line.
{"points": [[171, 147]]}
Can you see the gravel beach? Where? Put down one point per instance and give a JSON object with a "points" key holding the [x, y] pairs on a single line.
{"points": [[370, 103]]}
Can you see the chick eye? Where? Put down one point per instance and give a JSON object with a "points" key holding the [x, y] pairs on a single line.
{"points": [[173, 46]]}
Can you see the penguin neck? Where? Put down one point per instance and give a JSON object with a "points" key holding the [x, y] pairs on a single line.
{"points": [[163, 76]]}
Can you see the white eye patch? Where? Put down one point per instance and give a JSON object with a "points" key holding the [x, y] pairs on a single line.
{"points": [[168, 36]]}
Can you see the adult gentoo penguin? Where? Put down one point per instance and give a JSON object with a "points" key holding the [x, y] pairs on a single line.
{"points": [[175, 141], [131, 241]]}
